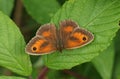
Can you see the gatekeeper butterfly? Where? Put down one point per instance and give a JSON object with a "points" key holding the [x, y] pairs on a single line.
{"points": [[48, 39]]}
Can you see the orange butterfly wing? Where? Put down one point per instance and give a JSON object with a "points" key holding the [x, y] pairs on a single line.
{"points": [[44, 42], [73, 36]]}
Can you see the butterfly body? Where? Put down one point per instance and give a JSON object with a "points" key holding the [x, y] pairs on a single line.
{"points": [[49, 39]]}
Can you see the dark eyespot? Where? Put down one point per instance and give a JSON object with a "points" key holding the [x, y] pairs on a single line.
{"points": [[84, 38], [34, 48]]}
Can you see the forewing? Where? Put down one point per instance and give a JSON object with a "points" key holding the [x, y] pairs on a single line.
{"points": [[39, 45], [44, 42], [78, 38]]}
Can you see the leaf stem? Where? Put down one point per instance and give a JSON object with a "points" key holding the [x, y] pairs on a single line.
{"points": [[17, 15], [74, 74], [43, 73], [30, 77]]}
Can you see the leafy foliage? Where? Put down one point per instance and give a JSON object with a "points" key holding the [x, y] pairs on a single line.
{"points": [[6, 6], [104, 62], [101, 17], [100, 58], [116, 71], [41, 10], [10, 77], [12, 47]]}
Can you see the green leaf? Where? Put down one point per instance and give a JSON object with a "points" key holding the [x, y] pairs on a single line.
{"points": [[12, 44], [53, 74], [116, 72], [10, 77], [101, 17], [104, 62], [6, 6], [86, 70], [41, 10]]}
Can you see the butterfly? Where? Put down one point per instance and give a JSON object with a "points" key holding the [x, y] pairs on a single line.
{"points": [[49, 39]]}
